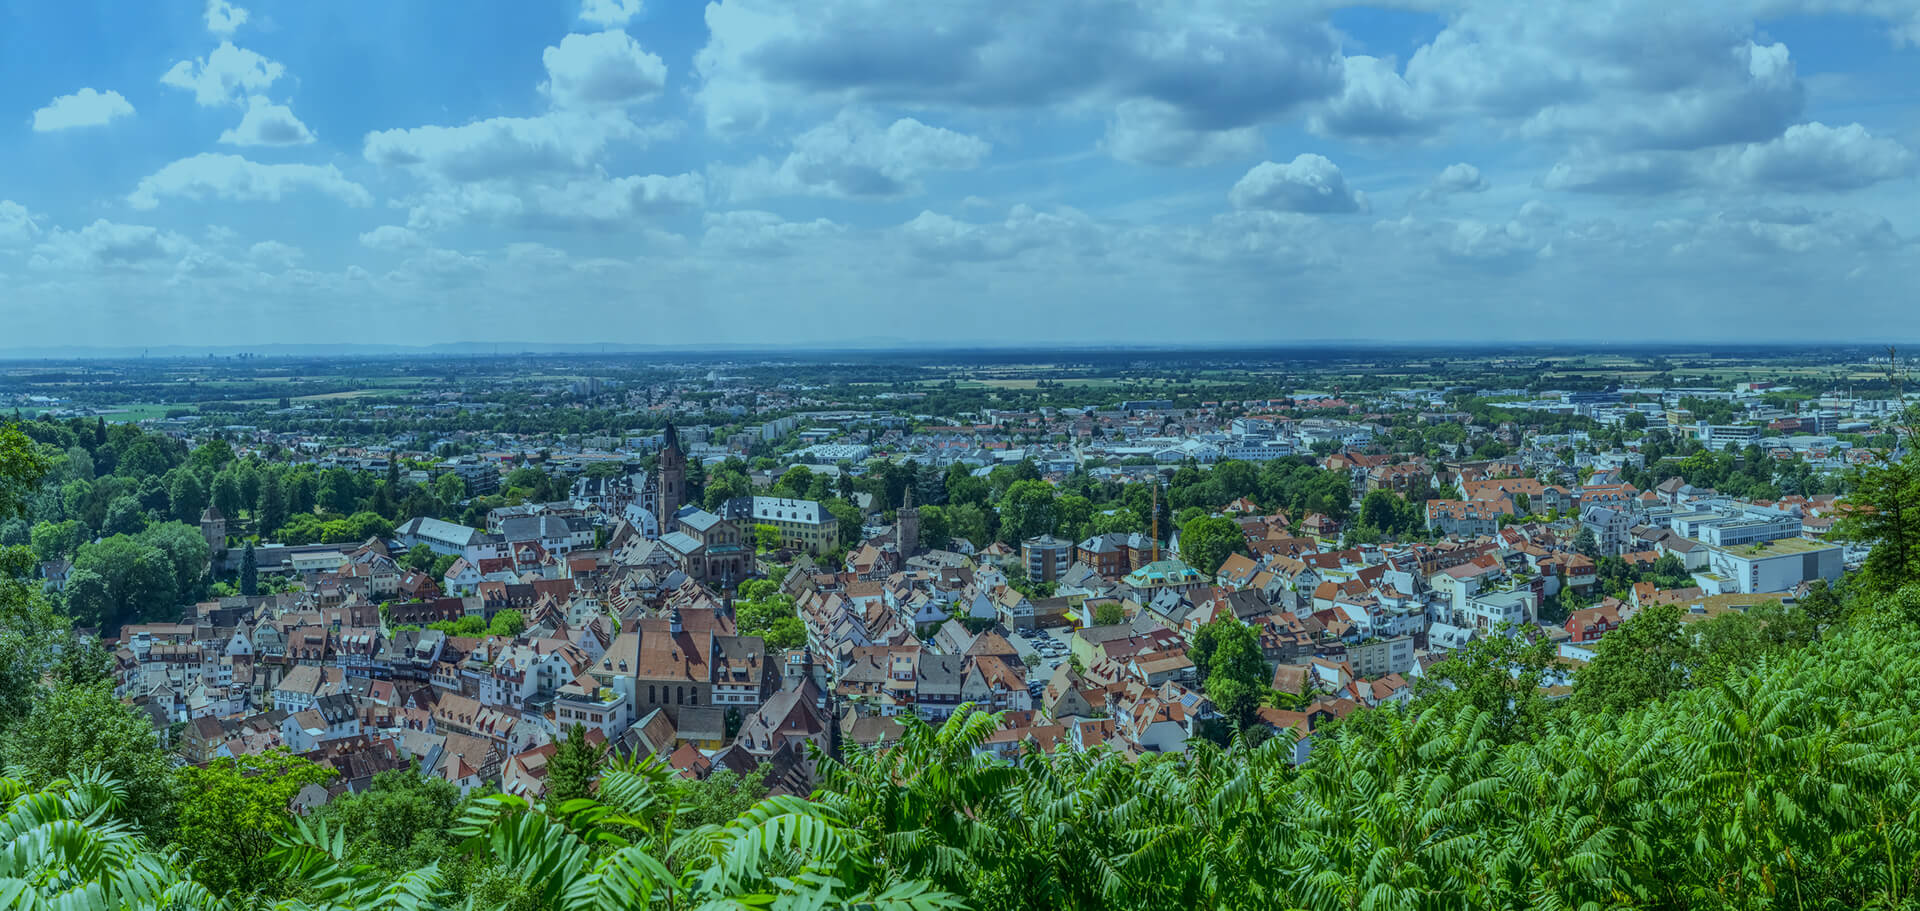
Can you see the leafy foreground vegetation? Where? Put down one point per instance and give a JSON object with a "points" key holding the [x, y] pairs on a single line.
{"points": [[1786, 785]]}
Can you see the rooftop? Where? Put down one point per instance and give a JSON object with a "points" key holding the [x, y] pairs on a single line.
{"points": [[1780, 548]]}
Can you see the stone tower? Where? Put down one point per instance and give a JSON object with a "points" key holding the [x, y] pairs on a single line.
{"points": [[673, 480], [213, 527], [906, 526]]}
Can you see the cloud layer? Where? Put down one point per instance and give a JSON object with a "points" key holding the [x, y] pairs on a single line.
{"points": [[969, 172]]}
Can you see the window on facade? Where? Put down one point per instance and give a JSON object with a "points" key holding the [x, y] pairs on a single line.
{"points": [[693, 698]]}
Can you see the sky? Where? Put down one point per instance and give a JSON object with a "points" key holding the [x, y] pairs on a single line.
{"points": [[848, 172]]}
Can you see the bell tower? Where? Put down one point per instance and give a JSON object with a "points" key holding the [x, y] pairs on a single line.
{"points": [[673, 480]]}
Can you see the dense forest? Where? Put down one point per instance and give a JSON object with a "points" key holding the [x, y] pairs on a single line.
{"points": [[1758, 760]]}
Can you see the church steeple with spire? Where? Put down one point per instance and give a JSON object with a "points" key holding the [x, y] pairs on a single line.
{"points": [[673, 479]]}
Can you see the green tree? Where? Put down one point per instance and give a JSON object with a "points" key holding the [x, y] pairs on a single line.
{"points": [[1645, 659], [56, 540], [249, 572], [794, 483], [1498, 675], [1028, 509], [848, 518], [73, 729], [419, 557], [1670, 571], [140, 578], [339, 492], [1076, 513], [226, 494], [574, 767], [441, 564], [1733, 643], [1109, 613], [232, 809], [1585, 544], [68, 846], [767, 613], [507, 623], [1207, 541], [31, 630], [271, 510], [1884, 510], [403, 821], [1235, 674], [186, 552], [470, 625], [1823, 605], [82, 663], [720, 797], [1121, 520], [724, 485], [211, 456], [449, 488], [1385, 512], [88, 600], [971, 522], [22, 467], [125, 516], [936, 530], [186, 495], [248, 474]]}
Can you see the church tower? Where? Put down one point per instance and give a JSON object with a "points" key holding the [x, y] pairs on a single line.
{"points": [[906, 526], [673, 480]]}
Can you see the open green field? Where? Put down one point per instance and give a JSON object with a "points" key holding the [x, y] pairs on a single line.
{"points": [[127, 414]]}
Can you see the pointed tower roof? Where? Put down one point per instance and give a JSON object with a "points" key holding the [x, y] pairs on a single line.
{"points": [[212, 514], [672, 442]]}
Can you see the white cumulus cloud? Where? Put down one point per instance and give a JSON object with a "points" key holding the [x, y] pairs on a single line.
{"points": [[274, 254], [267, 124], [1814, 156], [392, 237], [1309, 183], [109, 245], [231, 177], [1220, 69], [501, 147], [609, 13], [854, 156], [225, 76], [1459, 177], [17, 225], [85, 108], [605, 69], [573, 204], [1374, 102], [764, 233], [223, 18]]}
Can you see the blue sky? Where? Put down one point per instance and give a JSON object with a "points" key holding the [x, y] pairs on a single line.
{"points": [[1080, 171]]}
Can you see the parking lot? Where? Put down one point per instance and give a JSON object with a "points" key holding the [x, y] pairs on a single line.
{"points": [[1050, 645]]}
